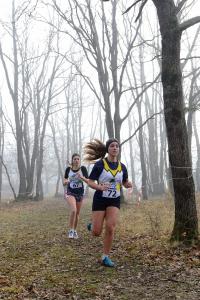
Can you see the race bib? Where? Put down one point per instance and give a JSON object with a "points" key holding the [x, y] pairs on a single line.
{"points": [[113, 191], [76, 184]]}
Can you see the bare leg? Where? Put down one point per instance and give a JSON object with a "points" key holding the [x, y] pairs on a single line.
{"points": [[78, 208], [72, 205], [111, 217], [97, 222]]}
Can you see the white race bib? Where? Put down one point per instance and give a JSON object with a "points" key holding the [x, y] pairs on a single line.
{"points": [[76, 184], [113, 191]]}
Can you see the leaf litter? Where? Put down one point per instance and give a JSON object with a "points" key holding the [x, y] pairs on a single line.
{"points": [[38, 261]]}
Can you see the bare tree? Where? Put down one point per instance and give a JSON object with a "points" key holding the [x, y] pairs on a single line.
{"points": [[34, 87], [186, 221], [13, 86], [50, 91], [103, 57]]}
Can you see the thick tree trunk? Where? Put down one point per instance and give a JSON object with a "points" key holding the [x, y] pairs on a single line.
{"points": [[186, 222]]}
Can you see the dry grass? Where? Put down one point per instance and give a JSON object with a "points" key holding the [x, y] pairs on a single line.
{"points": [[151, 217], [37, 261]]}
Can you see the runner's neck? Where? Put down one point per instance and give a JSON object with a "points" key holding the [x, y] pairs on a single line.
{"points": [[111, 158], [75, 168]]}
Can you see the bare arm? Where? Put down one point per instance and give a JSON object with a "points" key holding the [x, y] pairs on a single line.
{"points": [[84, 179], [92, 184], [66, 177], [98, 187]]}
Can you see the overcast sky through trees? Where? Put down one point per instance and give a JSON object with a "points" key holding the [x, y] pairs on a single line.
{"points": [[83, 118]]}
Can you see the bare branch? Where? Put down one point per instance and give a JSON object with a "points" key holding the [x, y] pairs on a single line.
{"points": [[185, 25], [130, 47], [140, 10], [139, 95], [132, 135], [6, 72], [9, 180], [131, 6], [180, 5]]}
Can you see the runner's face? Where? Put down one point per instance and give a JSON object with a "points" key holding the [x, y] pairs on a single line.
{"points": [[76, 161], [113, 149]]}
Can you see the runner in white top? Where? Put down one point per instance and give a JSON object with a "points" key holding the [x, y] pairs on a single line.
{"points": [[74, 191]]}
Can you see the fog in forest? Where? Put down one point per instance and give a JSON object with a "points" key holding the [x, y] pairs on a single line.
{"points": [[72, 71]]}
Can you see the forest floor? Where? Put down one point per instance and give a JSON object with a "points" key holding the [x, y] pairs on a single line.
{"points": [[38, 261]]}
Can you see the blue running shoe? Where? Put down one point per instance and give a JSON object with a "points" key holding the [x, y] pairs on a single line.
{"points": [[89, 226], [107, 262]]}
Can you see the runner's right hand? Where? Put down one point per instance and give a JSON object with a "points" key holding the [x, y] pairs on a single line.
{"points": [[104, 186], [65, 182]]}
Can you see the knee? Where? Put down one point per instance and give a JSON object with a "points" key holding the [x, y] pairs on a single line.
{"points": [[110, 228], [96, 232], [73, 210]]}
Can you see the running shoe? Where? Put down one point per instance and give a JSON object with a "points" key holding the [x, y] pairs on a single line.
{"points": [[89, 226], [71, 234], [75, 234], [107, 262]]}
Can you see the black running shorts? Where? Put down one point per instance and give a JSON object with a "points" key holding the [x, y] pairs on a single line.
{"points": [[101, 203]]}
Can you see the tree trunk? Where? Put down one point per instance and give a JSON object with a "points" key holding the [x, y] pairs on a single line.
{"points": [[131, 152], [153, 147], [142, 156], [198, 155], [162, 154], [60, 169], [186, 222]]}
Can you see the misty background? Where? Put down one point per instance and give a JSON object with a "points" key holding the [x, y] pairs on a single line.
{"points": [[79, 70]]}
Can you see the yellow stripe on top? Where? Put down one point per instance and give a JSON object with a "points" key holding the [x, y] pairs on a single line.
{"points": [[108, 169]]}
